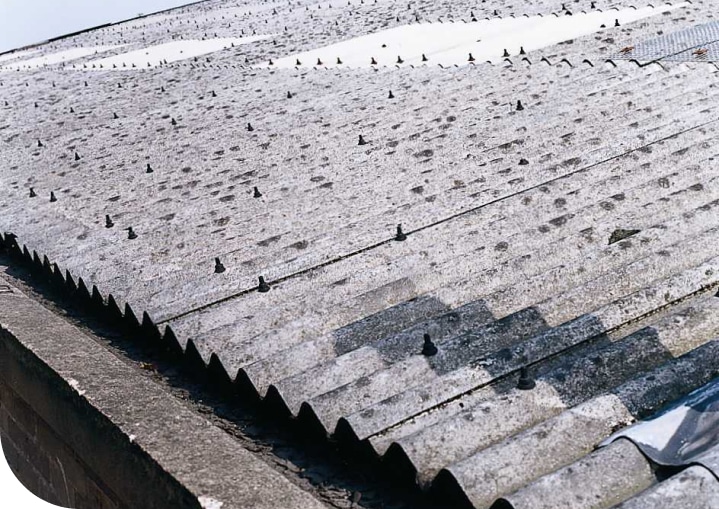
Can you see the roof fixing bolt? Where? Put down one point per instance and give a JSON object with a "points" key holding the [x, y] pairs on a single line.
{"points": [[149, 168], [289, 95], [399, 60], [319, 62], [401, 236], [114, 115], [77, 156], [525, 382], [519, 106], [523, 162], [213, 94], [592, 5], [297, 62], [471, 58], [39, 143], [72, 110], [391, 95], [219, 268], [263, 287], [361, 141], [428, 349], [505, 54], [249, 127], [108, 221], [52, 197], [256, 193], [424, 58], [521, 50], [32, 193], [616, 22], [373, 61], [339, 61], [271, 62], [131, 233], [173, 121]]}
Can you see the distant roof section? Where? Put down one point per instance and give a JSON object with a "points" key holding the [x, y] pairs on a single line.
{"points": [[488, 39], [56, 58], [696, 44]]}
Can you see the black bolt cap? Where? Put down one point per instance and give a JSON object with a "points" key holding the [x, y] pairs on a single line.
{"points": [[399, 60], [72, 110], [32, 193], [52, 197], [391, 95], [429, 349], [505, 54], [361, 141], [289, 95], [525, 382], [149, 168], [263, 287], [249, 127], [523, 162], [373, 61], [319, 62], [297, 62], [219, 268], [424, 58], [108, 221], [471, 58], [131, 233], [77, 156], [114, 115], [39, 143], [173, 121], [213, 94], [616, 22], [271, 62], [401, 236], [256, 193], [519, 106], [521, 50], [339, 61]]}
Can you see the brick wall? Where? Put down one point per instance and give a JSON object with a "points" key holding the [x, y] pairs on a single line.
{"points": [[44, 463]]}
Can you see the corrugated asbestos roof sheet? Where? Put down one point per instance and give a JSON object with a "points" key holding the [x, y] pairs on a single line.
{"points": [[553, 280]]}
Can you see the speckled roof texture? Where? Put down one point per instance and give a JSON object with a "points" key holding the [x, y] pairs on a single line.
{"points": [[553, 281]]}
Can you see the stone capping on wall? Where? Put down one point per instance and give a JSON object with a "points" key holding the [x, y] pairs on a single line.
{"points": [[139, 444]]}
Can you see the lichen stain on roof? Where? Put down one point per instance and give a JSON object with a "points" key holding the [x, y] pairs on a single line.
{"points": [[552, 279]]}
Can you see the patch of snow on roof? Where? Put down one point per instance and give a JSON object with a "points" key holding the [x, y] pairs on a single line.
{"points": [[58, 58], [451, 43], [153, 56]]}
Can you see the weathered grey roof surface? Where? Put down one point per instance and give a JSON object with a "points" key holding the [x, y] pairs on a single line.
{"points": [[574, 237]]}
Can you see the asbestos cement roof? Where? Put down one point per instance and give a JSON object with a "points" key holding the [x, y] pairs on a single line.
{"points": [[552, 283]]}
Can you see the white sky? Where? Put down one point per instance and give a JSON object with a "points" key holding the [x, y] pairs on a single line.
{"points": [[24, 22]]}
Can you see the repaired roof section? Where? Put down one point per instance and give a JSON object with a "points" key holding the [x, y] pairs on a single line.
{"points": [[477, 273]]}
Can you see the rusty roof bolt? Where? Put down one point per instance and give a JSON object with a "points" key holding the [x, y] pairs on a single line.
{"points": [[173, 121], [471, 58], [256, 193], [523, 162], [131, 233], [424, 58], [108, 221], [52, 197], [525, 382], [428, 348], [263, 286], [249, 127], [401, 236], [149, 168], [32, 193], [39, 143], [77, 156], [361, 141], [219, 268], [373, 61], [391, 95], [519, 106], [289, 95]]}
